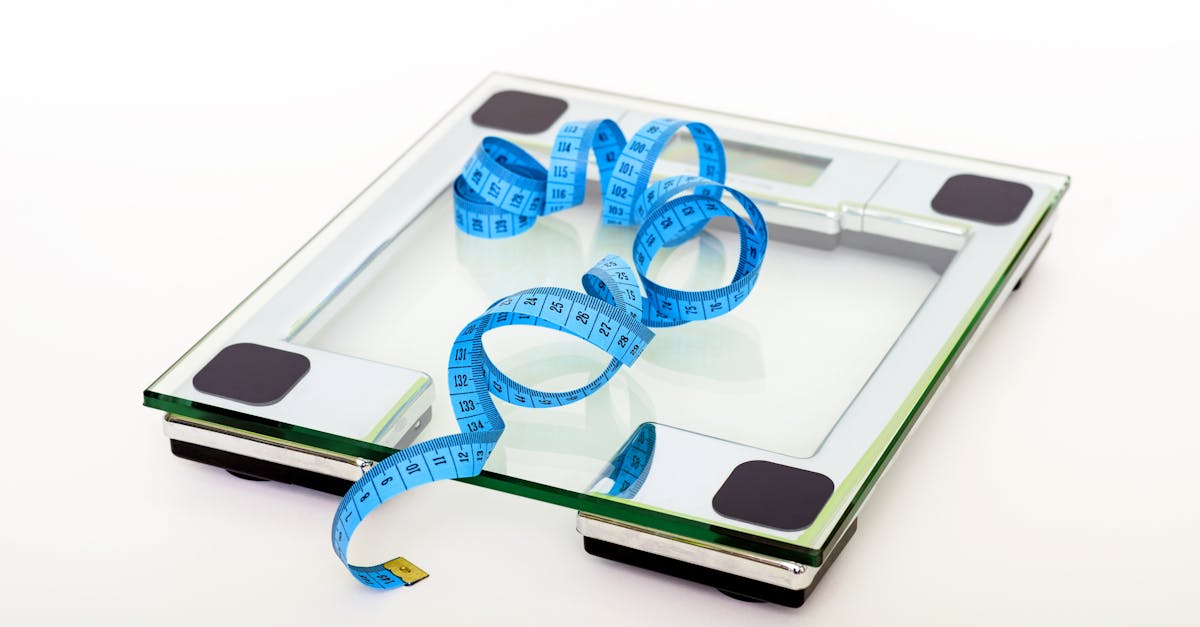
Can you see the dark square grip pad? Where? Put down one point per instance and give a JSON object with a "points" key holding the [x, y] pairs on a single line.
{"points": [[773, 495], [519, 112], [982, 199], [251, 373]]}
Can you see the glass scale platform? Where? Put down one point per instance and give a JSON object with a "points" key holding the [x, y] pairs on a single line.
{"points": [[758, 435]]}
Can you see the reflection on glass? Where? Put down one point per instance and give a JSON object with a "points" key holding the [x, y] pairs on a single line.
{"points": [[628, 470]]}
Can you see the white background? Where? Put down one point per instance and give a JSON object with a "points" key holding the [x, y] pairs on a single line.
{"points": [[157, 162]]}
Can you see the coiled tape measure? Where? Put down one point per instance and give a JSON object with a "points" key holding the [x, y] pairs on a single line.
{"points": [[501, 193]]}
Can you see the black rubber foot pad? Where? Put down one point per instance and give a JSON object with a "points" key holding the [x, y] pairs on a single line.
{"points": [[740, 597], [242, 475], [251, 468]]}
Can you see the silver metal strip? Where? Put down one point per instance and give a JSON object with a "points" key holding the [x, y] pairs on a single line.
{"points": [[764, 568], [214, 436]]}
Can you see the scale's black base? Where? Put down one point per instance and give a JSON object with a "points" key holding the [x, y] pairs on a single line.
{"points": [[734, 586], [253, 469]]}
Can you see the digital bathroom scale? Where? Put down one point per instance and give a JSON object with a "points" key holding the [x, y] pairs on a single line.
{"points": [[737, 452]]}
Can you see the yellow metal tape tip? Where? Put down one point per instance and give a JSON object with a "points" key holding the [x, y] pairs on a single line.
{"points": [[407, 571]]}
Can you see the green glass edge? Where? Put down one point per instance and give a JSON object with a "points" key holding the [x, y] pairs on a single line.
{"points": [[866, 473], [420, 386], [670, 523]]}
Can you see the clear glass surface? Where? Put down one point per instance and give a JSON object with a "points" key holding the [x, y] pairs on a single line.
{"points": [[774, 374]]}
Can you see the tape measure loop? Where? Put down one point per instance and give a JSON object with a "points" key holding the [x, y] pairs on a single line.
{"points": [[625, 196], [507, 177], [567, 183], [676, 219], [614, 281], [474, 215]]}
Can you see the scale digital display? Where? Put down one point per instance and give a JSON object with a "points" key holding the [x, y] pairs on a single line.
{"points": [[757, 161]]}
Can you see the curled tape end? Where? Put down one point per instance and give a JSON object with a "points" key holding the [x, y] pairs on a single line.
{"points": [[408, 572]]}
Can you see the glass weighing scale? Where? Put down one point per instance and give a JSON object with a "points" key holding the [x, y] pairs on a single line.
{"points": [[738, 451]]}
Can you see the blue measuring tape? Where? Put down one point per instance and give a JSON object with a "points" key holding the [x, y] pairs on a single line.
{"points": [[629, 468], [501, 192]]}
